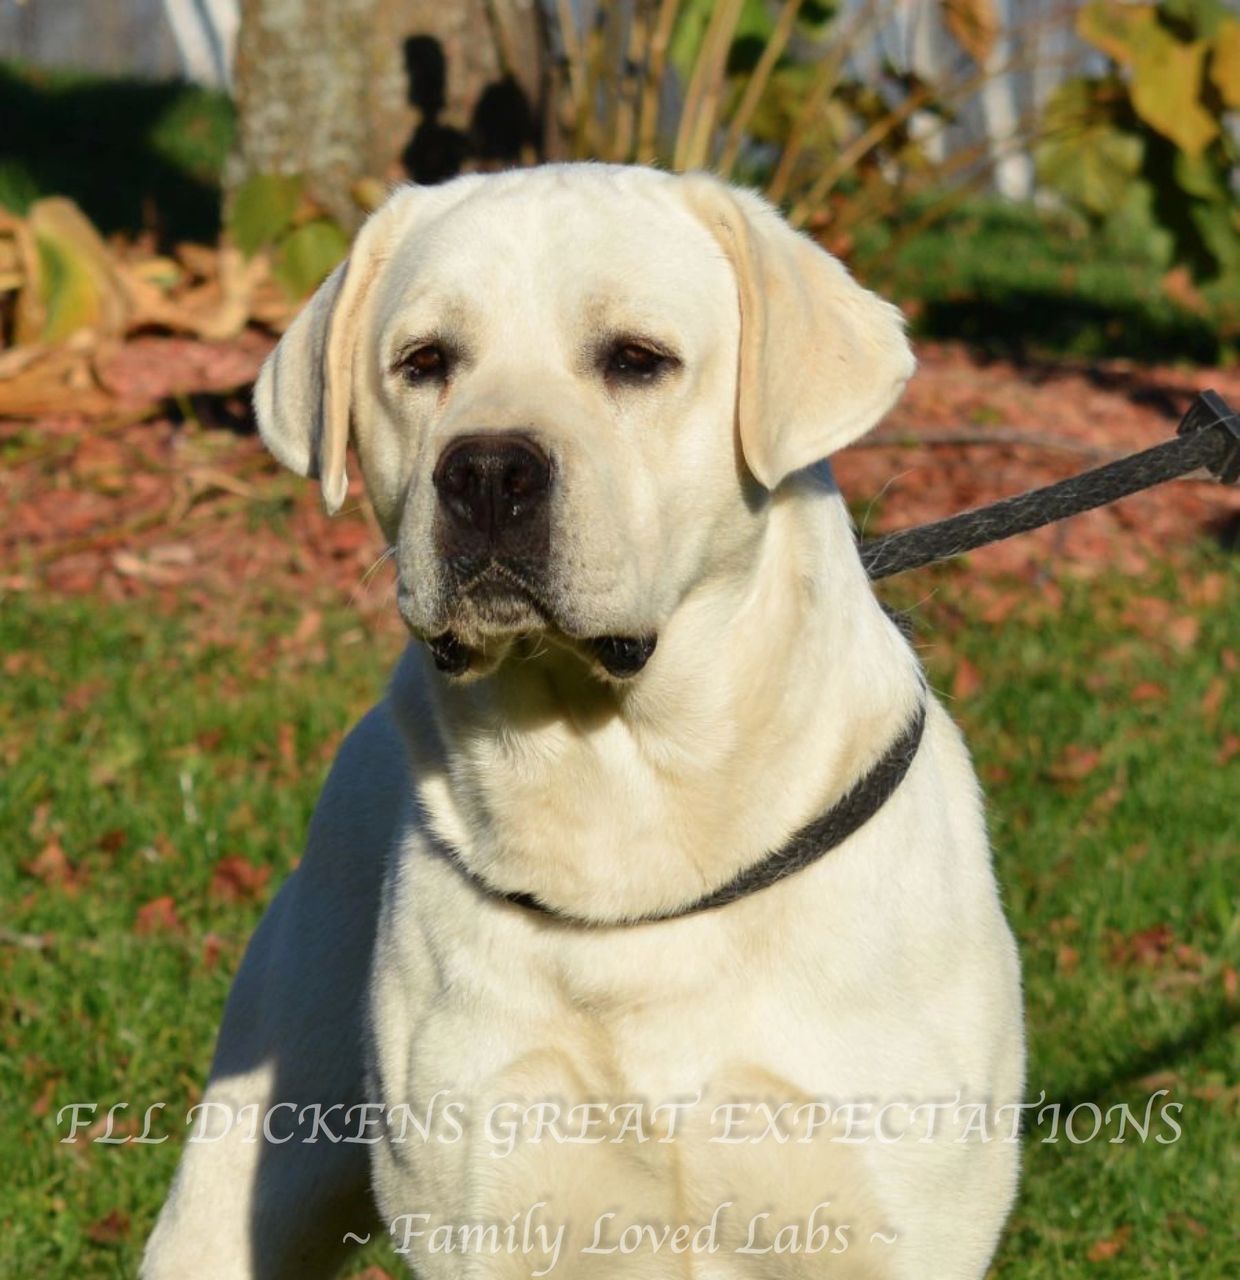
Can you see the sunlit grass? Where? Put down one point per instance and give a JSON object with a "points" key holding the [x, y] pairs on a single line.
{"points": [[146, 752]]}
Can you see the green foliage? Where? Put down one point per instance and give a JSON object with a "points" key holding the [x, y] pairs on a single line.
{"points": [[1148, 135], [133, 155], [270, 213], [1019, 282], [1086, 158], [307, 255], [766, 93], [263, 210]]}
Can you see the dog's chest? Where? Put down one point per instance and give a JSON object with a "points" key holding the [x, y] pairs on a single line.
{"points": [[566, 1081]]}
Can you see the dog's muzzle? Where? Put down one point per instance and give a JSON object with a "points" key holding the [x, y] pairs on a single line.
{"points": [[494, 499], [493, 536]]}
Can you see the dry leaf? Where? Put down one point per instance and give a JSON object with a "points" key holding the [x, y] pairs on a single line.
{"points": [[1112, 1246], [52, 866], [974, 24], [111, 1229], [1077, 762], [158, 916], [967, 680], [233, 879]]}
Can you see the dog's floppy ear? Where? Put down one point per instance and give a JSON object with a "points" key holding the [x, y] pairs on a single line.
{"points": [[304, 393], [821, 358]]}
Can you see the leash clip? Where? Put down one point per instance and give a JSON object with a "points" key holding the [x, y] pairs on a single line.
{"points": [[1210, 412]]}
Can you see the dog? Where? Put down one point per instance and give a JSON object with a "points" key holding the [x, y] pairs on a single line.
{"points": [[647, 927]]}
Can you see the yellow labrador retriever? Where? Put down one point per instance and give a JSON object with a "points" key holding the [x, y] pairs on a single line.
{"points": [[648, 926]]}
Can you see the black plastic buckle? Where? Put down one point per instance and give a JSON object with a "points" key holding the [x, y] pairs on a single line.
{"points": [[1210, 412]]}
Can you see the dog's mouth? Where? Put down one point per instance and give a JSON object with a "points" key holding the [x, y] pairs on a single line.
{"points": [[499, 604], [496, 598], [621, 657]]}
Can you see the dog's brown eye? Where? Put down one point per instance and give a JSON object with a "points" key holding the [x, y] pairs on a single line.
{"points": [[424, 362], [636, 362]]}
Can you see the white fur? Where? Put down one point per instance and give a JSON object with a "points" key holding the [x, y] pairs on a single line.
{"points": [[884, 972]]}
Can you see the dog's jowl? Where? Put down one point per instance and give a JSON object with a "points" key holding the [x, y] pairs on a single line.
{"points": [[647, 926]]}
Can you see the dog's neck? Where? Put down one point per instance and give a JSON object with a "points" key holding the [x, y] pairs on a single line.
{"points": [[769, 695]]}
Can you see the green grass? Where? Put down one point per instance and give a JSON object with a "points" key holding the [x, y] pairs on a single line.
{"points": [[149, 750], [1148, 838]]}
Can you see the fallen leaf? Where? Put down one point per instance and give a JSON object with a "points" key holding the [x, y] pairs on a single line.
{"points": [[967, 680], [1104, 1250], [112, 841], [307, 627], [43, 1103], [1148, 691], [236, 880], [1184, 631], [111, 1229], [1075, 763], [1143, 949], [212, 946], [52, 866], [1212, 699], [158, 916]]}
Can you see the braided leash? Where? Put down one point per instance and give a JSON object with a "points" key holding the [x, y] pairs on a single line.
{"points": [[1208, 436]]}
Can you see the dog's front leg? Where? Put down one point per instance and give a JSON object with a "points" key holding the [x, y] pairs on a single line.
{"points": [[275, 1173]]}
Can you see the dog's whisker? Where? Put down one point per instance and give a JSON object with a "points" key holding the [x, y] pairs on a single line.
{"points": [[869, 510], [384, 556]]}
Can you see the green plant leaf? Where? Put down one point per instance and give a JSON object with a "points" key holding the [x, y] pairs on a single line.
{"points": [[1090, 161], [77, 285], [262, 210], [1166, 90], [1198, 177], [1225, 62], [1200, 16], [307, 255], [1218, 224], [1115, 28]]}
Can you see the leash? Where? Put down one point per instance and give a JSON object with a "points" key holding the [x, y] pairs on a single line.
{"points": [[1208, 436]]}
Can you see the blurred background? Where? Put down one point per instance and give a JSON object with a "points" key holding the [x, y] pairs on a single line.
{"points": [[1050, 192]]}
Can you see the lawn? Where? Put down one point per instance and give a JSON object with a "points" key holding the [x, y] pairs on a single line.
{"points": [[156, 782]]}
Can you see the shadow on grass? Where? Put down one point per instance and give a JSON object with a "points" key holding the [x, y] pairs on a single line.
{"points": [[135, 156], [1214, 1022], [1021, 323]]}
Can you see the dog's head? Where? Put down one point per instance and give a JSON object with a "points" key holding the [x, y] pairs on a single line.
{"points": [[571, 391]]}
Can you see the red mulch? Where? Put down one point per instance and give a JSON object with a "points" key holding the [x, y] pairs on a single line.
{"points": [[1096, 411], [181, 510]]}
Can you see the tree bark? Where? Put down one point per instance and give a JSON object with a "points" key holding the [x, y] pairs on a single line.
{"points": [[340, 90], [321, 92]]}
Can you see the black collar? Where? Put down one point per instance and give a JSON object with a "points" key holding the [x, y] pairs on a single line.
{"points": [[817, 838]]}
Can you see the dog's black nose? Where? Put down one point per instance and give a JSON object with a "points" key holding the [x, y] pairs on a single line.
{"points": [[493, 484]]}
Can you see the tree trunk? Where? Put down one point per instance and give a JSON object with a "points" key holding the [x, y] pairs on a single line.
{"points": [[340, 90], [321, 92]]}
